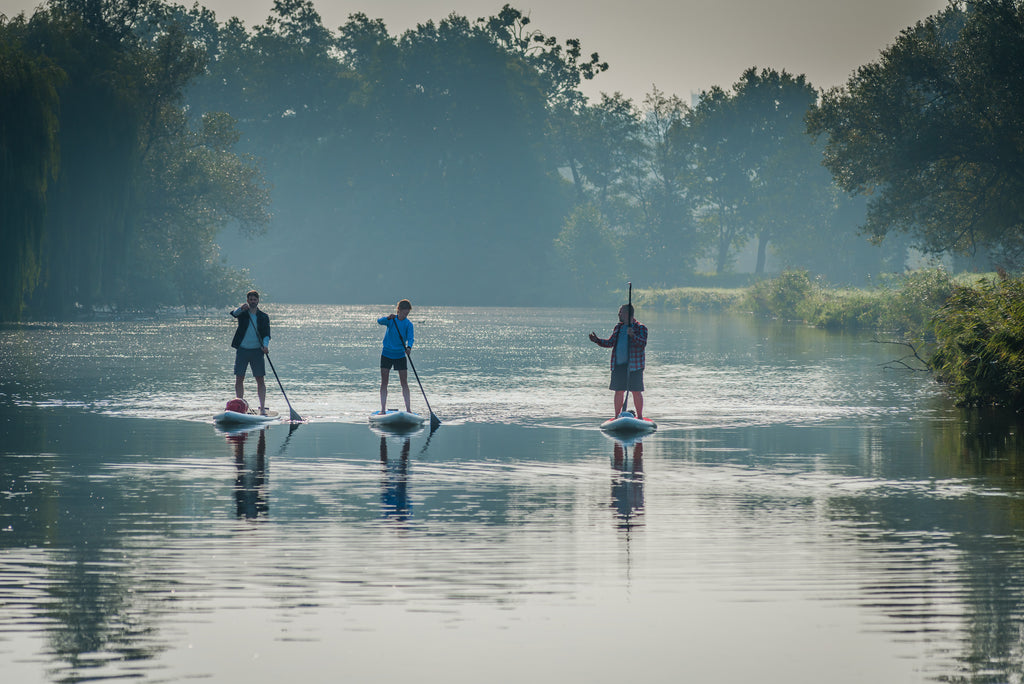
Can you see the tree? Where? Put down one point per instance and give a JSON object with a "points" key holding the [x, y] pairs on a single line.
{"points": [[931, 132], [132, 210], [665, 241], [755, 173], [29, 160], [438, 140], [591, 253]]}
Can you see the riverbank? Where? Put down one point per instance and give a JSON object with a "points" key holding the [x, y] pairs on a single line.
{"points": [[967, 328]]}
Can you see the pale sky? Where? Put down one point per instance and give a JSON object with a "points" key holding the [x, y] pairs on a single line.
{"points": [[681, 47]]}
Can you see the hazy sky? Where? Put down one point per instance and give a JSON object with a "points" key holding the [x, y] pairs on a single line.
{"points": [[681, 47]]}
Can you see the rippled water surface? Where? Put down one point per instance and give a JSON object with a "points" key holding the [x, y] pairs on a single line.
{"points": [[803, 514]]}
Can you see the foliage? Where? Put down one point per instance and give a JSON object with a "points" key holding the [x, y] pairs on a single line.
{"points": [[755, 173], [780, 296], [29, 161], [137, 197], [458, 159], [904, 304], [913, 299], [980, 344], [690, 298], [931, 132], [591, 252]]}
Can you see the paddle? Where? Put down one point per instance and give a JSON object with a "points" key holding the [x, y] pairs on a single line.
{"points": [[435, 422], [629, 324], [292, 415]]}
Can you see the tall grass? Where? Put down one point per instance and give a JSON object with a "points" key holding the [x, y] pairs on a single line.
{"points": [[970, 329], [980, 344]]}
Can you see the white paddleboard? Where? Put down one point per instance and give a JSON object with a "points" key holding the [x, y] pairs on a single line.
{"points": [[235, 418], [627, 422], [394, 418]]}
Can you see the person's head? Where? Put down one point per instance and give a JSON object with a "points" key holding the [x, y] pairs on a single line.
{"points": [[626, 312], [252, 298], [403, 308]]}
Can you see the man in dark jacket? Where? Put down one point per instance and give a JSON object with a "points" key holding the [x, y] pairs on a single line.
{"points": [[251, 341]]}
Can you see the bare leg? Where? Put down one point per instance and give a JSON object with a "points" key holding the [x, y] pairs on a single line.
{"points": [[261, 391], [385, 373], [619, 396], [403, 377], [638, 403], [239, 386]]}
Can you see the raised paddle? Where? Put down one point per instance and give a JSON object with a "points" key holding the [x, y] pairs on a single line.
{"points": [[435, 422], [629, 324], [292, 415]]}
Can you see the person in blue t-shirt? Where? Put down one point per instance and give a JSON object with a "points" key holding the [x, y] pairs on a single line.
{"points": [[398, 340]]}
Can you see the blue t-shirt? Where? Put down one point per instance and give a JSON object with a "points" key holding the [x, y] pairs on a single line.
{"points": [[622, 347], [393, 348]]}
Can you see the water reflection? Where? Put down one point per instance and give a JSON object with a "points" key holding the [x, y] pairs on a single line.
{"points": [[251, 474], [394, 496], [846, 522], [628, 481]]}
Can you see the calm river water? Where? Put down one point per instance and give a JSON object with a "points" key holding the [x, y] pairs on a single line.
{"points": [[803, 513]]}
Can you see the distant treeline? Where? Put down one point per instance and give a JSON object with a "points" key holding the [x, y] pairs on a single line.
{"points": [[460, 163]]}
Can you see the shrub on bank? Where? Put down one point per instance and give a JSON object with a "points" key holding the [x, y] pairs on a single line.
{"points": [[980, 344], [903, 304], [782, 297], [689, 298]]}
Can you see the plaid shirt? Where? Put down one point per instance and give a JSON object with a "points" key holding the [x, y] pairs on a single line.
{"points": [[637, 345]]}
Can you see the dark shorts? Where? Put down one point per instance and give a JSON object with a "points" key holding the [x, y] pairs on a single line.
{"points": [[246, 357], [618, 383], [398, 364]]}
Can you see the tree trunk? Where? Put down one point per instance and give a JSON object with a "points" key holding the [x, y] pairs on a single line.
{"points": [[762, 252]]}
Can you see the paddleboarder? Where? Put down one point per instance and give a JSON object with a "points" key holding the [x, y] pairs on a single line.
{"points": [[251, 344], [397, 347], [628, 359]]}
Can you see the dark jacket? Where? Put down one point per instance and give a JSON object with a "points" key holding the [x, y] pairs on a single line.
{"points": [[262, 326]]}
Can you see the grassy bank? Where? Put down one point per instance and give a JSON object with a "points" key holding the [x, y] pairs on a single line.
{"points": [[904, 304], [969, 329]]}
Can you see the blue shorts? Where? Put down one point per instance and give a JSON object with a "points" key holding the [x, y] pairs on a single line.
{"points": [[398, 364], [247, 357], [618, 383]]}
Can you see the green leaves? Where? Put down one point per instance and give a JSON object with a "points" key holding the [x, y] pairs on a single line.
{"points": [[980, 344], [29, 161], [931, 132], [126, 199]]}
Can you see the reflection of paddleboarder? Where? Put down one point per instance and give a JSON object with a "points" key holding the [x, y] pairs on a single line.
{"points": [[628, 485], [250, 483], [395, 486], [628, 359]]}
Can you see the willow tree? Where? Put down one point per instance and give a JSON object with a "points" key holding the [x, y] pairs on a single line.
{"points": [[28, 163]]}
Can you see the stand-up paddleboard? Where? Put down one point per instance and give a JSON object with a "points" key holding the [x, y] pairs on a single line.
{"points": [[628, 422], [237, 418], [396, 419]]}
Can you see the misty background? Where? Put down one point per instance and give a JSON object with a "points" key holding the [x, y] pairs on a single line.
{"points": [[167, 158]]}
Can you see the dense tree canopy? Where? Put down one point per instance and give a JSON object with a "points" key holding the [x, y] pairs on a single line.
{"points": [[121, 200], [28, 165], [932, 132], [458, 161]]}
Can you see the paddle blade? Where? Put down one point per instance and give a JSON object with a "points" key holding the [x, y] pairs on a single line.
{"points": [[435, 422], [295, 417]]}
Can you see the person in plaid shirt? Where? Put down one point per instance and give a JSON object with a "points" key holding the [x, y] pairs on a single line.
{"points": [[635, 340]]}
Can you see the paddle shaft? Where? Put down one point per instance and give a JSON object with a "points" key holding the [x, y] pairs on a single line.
{"points": [[629, 324], [433, 418], [292, 415]]}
